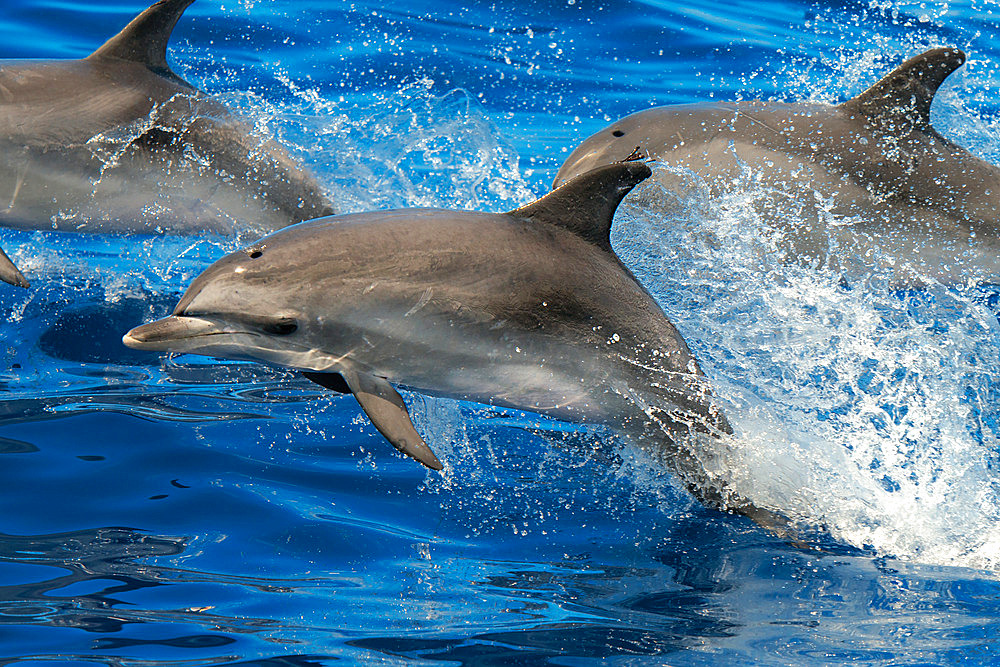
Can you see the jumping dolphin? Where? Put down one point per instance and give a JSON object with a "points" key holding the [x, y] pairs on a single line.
{"points": [[868, 173], [117, 142], [529, 309]]}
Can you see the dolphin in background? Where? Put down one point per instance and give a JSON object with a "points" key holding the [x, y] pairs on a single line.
{"points": [[117, 142], [529, 309], [871, 173]]}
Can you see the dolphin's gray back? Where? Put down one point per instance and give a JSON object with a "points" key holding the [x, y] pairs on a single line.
{"points": [[874, 161], [52, 103], [512, 312], [916, 166], [116, 142], [48, 104]]}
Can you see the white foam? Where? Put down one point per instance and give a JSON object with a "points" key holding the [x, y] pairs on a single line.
{"points": [[860, 409]]}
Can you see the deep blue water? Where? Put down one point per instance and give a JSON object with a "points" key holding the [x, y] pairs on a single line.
{"points": [[180, 511]]}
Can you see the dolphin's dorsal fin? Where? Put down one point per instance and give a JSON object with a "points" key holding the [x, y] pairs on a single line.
{"points": [[144, 40], [906, 93], [586, 205], [385, 407]]}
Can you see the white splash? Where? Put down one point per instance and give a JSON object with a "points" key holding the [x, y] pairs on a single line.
{"points": [[860, 409]]}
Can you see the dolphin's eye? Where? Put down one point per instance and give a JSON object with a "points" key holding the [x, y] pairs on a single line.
{"points": [[618, 133], [281, 327], [254, 253]]}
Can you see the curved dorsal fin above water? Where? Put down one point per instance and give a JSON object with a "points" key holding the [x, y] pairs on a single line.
{"points": [[586, 205], [906, 93], [144, 40]]}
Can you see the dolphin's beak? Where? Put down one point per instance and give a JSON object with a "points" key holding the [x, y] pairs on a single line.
{"points": [[164, 334]]}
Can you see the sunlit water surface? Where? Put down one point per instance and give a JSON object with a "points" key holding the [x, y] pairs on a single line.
{"points": [[181, 511]]}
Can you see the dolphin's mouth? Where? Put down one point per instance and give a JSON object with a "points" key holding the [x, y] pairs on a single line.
{"points": [[165, 334]]}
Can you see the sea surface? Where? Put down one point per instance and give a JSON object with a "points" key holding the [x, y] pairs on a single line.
{"points": [[178, 510]]}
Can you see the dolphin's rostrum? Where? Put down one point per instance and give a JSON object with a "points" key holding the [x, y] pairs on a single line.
{"points": [[529, 309], [870, 174], [117, 142]]}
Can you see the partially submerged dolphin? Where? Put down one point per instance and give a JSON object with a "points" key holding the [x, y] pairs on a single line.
{"points": [[529, 309], [117, 142], [870, 173]]}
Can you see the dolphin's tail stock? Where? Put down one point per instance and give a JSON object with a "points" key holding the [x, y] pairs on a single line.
{"points": [[694, 456], [689, 434], [10, 273]]}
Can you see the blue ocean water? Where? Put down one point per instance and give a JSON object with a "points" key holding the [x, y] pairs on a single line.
{"points": [[161, 510]]}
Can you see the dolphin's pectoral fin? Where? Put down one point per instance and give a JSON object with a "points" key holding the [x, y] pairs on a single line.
{"points": [[145, 39], [906, 93], [385, 407], [332, 381], [10, 273], [586, 205]]}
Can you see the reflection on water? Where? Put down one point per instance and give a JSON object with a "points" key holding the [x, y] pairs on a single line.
{"points": [[713, 584], [107, 573], [9, 446], [111, 399], [727, 596], [102, 561], [190, 641]]}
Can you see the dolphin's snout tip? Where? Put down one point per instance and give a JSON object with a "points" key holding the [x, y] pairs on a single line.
{"points": [[136, 338], [164, 333], [131, 340]]}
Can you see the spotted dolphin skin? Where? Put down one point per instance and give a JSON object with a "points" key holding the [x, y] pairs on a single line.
{"points": [[117, 142], [870, 173], [529, 309]]}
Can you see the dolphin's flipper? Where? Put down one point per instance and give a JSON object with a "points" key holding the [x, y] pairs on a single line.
{"points": [[144, 40], [586, 205], [332, 381], [10, 273], [905, 94], [385, 407]]}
